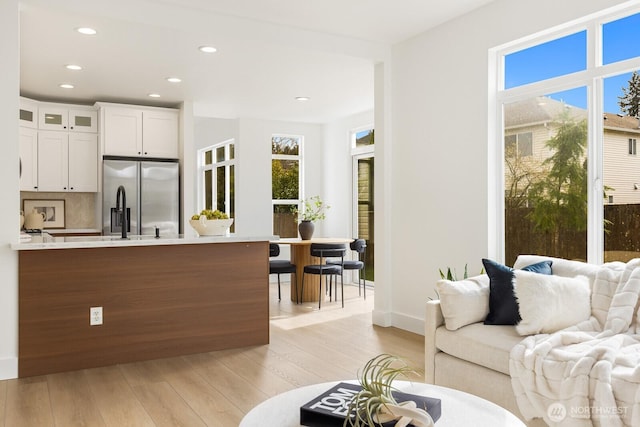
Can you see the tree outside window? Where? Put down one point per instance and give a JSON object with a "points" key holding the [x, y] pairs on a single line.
{"points": [[285, 183]]}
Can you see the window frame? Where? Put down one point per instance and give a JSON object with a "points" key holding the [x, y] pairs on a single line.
{"points": [[593, 79], [299, 157], [227, 163]]}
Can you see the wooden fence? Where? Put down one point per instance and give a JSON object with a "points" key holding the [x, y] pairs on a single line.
{"points": [[622, 234]]}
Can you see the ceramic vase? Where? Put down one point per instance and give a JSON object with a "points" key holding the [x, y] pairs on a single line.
{"points": [[306, 230]]}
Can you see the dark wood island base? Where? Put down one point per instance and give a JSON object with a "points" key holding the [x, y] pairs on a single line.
{"points": [[158, 301]]}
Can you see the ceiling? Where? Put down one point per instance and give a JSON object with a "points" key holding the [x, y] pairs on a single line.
{"points": [[269, 52]]}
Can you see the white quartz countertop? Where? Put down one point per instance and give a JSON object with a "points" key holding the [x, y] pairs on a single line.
{"points": [[47, 241]]}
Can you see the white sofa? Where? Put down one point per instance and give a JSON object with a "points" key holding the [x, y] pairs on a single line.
{"points": [[475, 358]]}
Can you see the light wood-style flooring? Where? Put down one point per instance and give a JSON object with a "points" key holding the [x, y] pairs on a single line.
{"points": [[214, 389]]}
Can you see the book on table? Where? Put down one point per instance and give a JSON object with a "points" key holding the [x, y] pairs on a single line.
{"points": [[330, 408]]}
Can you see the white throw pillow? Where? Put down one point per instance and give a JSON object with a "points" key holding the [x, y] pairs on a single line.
{"points": [[550, 303], [464, 302]]}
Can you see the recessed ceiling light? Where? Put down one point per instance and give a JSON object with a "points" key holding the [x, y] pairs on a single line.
{"points": [[66, 86], [73, 67], [86, 31], [154, 95], [208, 49], [174, 79], [302, 98]]}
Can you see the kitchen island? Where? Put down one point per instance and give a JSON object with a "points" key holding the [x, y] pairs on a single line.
{"points": [[159, 297]]}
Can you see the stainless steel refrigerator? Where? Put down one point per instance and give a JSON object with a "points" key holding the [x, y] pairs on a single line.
{"points": [[152, 194]]}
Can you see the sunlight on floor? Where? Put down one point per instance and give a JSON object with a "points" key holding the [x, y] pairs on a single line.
{"points": [[281, 313]]}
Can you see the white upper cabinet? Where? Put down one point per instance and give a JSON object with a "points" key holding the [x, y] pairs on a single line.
{"points": [[53, 161], [83, 162], [67, 162], [139, 131], [58, 117], [160, 133], [58, 147], [28, 113], [28, 159]]}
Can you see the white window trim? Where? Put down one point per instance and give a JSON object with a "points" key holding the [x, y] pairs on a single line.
{"points": [[300, 159], [202, 167], [352, 140], [592, 78]]}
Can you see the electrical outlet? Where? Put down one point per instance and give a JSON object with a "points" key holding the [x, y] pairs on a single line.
{"points": [[95, 316]]}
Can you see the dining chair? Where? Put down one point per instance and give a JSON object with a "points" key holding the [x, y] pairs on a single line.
{"points": [[323, 251], [282, 266], [359, 246]]}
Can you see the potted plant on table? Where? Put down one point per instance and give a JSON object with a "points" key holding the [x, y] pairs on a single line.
{"points": [[313, 209]]}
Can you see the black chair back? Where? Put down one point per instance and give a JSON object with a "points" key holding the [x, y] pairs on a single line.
{"points": [[358, 245], [274, 249], [328, 250]]}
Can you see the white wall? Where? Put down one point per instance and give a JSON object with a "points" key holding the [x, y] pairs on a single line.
{"points": [[253, 157], [9, 190], [441, 215], [338, 174]]}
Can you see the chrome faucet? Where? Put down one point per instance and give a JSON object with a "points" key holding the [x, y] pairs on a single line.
{"points": [[124, 223]]}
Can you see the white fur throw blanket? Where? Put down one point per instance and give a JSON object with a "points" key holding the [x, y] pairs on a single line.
{"points": [[588, 374]]}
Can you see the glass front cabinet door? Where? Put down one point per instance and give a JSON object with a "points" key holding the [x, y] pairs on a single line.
{"points": [[28, 113], [68, 119]]}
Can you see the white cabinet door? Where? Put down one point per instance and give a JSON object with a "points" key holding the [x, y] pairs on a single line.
{"points": [[83, 162], [53, 117], [53, 161], [83, 120], [160, 134], [28, 113], [122, 131], [28, 159]]}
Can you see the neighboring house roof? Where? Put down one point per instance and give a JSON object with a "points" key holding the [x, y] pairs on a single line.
{"points": [[621, 123], [541, 109], [538, 110]]}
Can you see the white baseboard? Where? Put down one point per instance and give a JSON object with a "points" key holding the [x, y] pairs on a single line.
{"points": [[381, 318], [8, 368], [398, 320]]}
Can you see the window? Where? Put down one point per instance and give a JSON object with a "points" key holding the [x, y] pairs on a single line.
{"points": [[363, 138], [285, 183], [562, 168], [217, 166], [362, 144], [519, 144]]}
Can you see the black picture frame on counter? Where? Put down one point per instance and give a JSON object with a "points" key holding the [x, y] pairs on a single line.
{"points": [[53, 210]]}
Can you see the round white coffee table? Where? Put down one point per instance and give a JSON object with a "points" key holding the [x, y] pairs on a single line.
{"points": [[458, 408]]}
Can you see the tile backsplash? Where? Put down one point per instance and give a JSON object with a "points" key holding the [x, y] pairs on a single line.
{"points": [[79, 208]]}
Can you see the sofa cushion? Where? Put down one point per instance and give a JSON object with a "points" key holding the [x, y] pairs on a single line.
{"points": [[560, 266], [503, 307], [550, 303], [464, 302], [481, 344]]}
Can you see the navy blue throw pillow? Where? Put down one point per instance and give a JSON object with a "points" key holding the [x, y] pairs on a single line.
{"points": [[503, 307]]}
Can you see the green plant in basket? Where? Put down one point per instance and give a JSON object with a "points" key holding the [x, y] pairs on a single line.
{"points": [[211, 214], [375, 404]]}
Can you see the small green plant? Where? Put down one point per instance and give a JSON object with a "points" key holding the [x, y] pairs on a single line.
{"points": [[313, 209], [211, 214], [374, 404], [452, 275]]}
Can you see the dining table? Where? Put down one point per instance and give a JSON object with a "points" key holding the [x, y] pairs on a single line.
{"points": [[301, 256]]}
